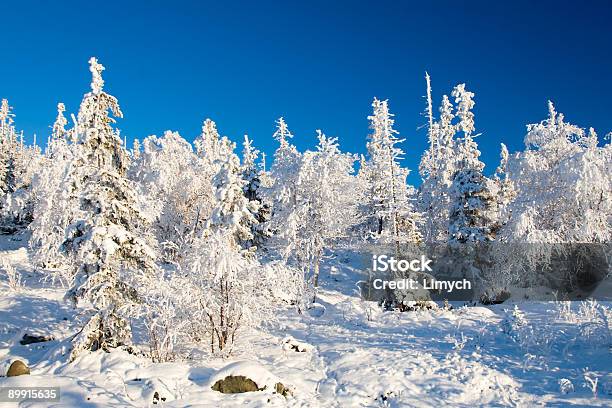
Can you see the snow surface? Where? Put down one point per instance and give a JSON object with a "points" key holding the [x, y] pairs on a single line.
{"points": [[352, 354]]}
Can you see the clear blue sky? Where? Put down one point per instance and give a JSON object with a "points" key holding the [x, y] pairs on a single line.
{"points": [[318, 64]]}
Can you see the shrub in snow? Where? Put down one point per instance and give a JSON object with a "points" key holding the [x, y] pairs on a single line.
{"points": [[227, 289], [529, 337], [514, 322], [291, 344], [565, 386], [590, 381], [162, 311], [593, 320], [13, 276]]}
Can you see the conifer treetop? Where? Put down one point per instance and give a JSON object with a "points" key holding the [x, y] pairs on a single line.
{"points": [[97, 83]]}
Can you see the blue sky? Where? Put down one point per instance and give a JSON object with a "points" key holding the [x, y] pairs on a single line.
{"points": [[318, 64]]}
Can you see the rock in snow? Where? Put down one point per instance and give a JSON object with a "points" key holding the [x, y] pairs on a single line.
{"points": [[18, 368]]}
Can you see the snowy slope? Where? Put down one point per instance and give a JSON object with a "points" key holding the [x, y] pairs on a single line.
{"points": [[353, 355]]}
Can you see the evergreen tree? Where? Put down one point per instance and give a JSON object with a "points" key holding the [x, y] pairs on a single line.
{"points": [[472, 210], [107, 240], [18, 165], [282, 193], [388, 195], [254, 175], [211, 147], [233, 212], [250, 172], [55, 201]]}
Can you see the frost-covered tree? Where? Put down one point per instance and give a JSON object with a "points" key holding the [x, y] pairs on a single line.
{"points": [[58, 130], [502, 188], [211, 146], [389, 205], [233, 211], [325, 209], [136, 149], [178, 186], [563, 185], [437, 169], [55, 202], [563, 205], [283, 188], [472, 211], [255, 178], [18, 165], [8, 139], [107, 240], [250, 171], [229, 292]]}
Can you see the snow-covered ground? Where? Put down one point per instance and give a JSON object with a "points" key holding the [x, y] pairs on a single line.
{"points": [[343, 352]]}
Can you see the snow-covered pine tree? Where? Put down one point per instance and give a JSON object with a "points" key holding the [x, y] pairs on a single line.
{"points": [[502, 188], [18, 165], [55, 202], [472, 212], [233, 211], [250, 172], [388, 195], [282, 192], [253, 175], [58, 130], [211, 147], [108, 241], [8, 141]]}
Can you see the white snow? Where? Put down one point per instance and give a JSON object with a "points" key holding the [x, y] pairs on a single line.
{"points": [[458, 357]]}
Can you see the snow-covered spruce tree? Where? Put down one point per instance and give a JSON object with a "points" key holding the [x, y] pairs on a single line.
{"points": [[502, 188], [55, 202], [473, 208], [252, 174], [178, 186], [8, 139], [211, 147], [437, 168], [389, 204], [111, 249], [233, 211], [136, 149], [18, 164], [282, 191]]}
